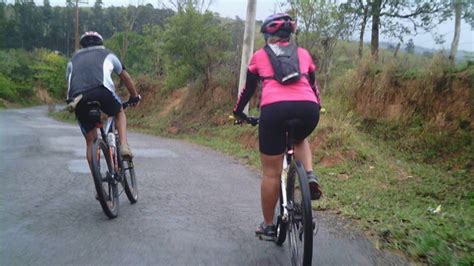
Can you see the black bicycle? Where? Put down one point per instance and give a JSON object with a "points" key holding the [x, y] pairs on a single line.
{"points": [[293, 215], [109, 167]]}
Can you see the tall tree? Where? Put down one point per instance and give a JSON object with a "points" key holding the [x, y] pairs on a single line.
{"points": [[362, 11], [194, 44], [46, 21], [3, 24], [396, 14], [151, 16], [68, 17], [25, 25], [200, 6], [97, 20], [364, 7], [461, 9], [130, 18], [457, 30], [27, 20]]}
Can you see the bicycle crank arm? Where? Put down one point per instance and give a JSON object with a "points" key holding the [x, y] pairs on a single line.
{"points": [[284, 218]]}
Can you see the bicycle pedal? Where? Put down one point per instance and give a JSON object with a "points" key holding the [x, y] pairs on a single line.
{"points": [[262, 238]]}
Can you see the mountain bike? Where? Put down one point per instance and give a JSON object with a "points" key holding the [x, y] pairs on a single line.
{"points": [[293, 215], [108, 167]]}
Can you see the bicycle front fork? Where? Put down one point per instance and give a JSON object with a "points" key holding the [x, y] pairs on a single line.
{"points": [[284, 201]]}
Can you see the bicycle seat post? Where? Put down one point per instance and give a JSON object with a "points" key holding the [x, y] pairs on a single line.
{"points": [[95, 114], [289, 145], [290, 126]]}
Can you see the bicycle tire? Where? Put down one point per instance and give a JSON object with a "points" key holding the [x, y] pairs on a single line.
{"points": [[300, 231], [108, 198], [129, 181], [281, 226]]}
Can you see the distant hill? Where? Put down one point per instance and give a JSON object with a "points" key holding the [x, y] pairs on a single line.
{"points": [[461, 55]]}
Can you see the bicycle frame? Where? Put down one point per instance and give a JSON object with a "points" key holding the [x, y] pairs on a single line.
{"points": [[107, 143], [288, 158], [104, 131]]}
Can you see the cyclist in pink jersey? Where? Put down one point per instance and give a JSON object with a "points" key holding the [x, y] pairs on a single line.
{"points": [[281, 100]]}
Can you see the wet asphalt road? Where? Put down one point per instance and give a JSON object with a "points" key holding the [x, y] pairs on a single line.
{"points": [[196, 206]]}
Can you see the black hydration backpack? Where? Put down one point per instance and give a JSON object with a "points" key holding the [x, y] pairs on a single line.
{"points": [[285, 64]]}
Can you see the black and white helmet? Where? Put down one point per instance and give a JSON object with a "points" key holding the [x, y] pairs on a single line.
{"points": [[91, 38]]}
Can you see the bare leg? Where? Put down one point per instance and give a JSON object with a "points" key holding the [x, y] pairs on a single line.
{"points": [[303, 153], [272, 166], [121, 121], [90, 137]]}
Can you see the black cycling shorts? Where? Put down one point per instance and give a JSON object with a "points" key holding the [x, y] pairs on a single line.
{"points": [[110, 104], [271, 130]]}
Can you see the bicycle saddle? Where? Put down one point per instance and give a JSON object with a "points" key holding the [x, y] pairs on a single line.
{"points": [[293, 123]]}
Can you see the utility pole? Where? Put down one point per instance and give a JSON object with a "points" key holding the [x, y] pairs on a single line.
{"points": [[247, 49], [76, 39]]}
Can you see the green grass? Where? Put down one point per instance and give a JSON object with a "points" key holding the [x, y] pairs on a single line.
{"points": [[451, 151], [63, 116], [225, 140], [393, 198]]}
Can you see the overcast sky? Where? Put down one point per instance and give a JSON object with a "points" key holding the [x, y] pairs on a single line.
{"points": [[233, 8]]}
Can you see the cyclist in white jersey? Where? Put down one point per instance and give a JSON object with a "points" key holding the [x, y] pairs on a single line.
{"points": [[89, 75]]}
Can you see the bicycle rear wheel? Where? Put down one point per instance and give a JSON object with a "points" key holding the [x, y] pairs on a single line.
{"points": [[105, 184], [300, 231], [129, 181]]}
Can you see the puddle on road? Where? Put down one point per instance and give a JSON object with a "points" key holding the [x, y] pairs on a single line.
{"points": [[76, 145], [78, 166], [153, 153], [49, 126]]}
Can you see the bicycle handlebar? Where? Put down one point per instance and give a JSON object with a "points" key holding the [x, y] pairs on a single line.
{"points": [[72, 103], [249, 120], [125, 105], [132, 101]]}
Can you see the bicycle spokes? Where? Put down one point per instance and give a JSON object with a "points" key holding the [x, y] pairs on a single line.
{"points": [[300, 216], [104, 178], [296, 244]]}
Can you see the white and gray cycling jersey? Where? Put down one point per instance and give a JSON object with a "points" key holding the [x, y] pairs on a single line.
{"points": [[90, 68]]}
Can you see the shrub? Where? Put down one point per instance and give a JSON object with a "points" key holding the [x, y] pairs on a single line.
{"points": [[142, 54], [196, 43], [21, 72], [8, 89], [49, 73]]}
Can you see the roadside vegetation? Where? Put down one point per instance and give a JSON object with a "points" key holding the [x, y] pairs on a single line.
{"points": [[30, 77], [394, 150], [406, 182]]}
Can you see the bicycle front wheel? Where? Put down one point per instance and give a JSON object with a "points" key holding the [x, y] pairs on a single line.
{"points": [[300, 231], [129, 181], [105, 183]]}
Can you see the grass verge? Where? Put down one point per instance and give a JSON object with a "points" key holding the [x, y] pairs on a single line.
{"points": [[403, 204]]}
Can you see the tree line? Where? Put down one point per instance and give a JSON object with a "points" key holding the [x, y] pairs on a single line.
{"points": [[184, 42], [175, 46], [27, 26]]}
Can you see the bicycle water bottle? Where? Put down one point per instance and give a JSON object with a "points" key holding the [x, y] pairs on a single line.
{"points": [[111, 139]]}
